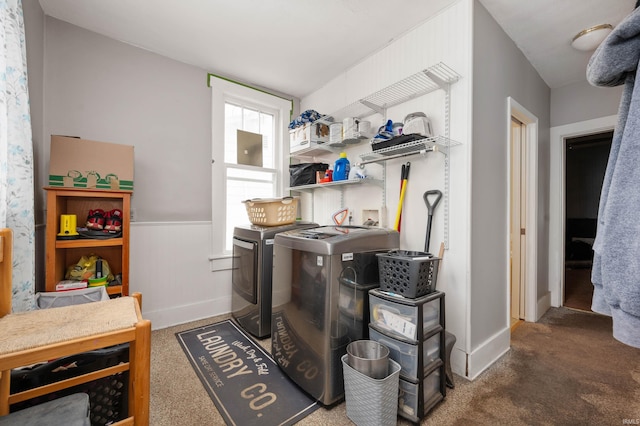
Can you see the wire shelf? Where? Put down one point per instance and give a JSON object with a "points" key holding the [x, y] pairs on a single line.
{"points": [[337, 183], [416, 85], [436, 143]]}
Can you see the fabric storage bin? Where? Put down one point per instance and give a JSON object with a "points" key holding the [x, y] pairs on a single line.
{"points": [[414, 359], [70, 410], [408, 273], [403, 317], [415, 400]]}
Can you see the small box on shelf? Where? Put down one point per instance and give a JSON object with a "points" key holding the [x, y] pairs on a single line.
{"points": [[304, 136], [81, 163]]}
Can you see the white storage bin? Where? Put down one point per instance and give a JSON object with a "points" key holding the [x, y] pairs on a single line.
{"points": [[56, 299], [408, 355], [400, 317]]}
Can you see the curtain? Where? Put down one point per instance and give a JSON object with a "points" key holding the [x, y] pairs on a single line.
{"points": [[16, 153]]}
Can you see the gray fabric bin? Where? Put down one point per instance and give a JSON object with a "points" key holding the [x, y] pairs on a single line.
{"points": [[71, 410]]}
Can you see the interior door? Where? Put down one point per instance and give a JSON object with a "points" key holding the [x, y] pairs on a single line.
{"points": [[518, 218]]}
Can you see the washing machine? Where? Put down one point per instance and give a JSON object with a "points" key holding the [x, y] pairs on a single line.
{"points": [[320, 281], [251, 274]]}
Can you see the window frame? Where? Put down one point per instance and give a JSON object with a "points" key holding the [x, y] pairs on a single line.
{"points": [[223, 91]]}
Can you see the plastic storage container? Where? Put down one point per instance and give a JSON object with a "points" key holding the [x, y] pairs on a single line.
{"points": [[408, 355], [409, 273], [401, 317], [341, 168], [417, 399]]}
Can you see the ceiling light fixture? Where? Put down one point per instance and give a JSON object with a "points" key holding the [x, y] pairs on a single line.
{"points": [[591, 38]]}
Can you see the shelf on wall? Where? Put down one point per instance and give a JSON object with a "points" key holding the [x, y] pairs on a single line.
{"points": [[436, 143], [437, 77], [313, 150], [338, 184], [426, 81]]}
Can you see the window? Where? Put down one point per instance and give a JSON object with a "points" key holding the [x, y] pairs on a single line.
{"points": [[244, 182], [253, 114]]}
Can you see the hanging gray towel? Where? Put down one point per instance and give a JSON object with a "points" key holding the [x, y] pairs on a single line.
{"points": [[616, 263]]}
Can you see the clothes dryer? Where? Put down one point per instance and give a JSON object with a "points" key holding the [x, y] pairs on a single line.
{"points": [[251, 274]]}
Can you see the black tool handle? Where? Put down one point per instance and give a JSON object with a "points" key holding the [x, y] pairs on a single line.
{"points": [[428, 236], [431, 206]]}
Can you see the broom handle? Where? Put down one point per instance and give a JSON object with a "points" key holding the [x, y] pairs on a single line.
{"points": [[399, 212]]}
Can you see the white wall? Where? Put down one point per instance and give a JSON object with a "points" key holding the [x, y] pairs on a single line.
{"points": [[169, 268], [444, 38], [500, 70]]}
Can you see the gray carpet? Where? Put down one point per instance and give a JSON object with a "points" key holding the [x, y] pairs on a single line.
{"points": [[565, 369]]}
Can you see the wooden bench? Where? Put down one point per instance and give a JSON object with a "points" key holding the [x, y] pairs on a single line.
{"points": [[37, 336]]}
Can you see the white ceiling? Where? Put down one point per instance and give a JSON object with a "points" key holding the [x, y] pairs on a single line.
{"points": [[295, 47]]}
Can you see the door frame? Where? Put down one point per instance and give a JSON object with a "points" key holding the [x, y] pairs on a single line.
{"points": [[557, 183], [517, 264], [514, 109]]}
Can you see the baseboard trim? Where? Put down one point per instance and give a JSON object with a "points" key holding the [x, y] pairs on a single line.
{"points": [[458, 362], [187, 313], [488, 353], [544, 304]]}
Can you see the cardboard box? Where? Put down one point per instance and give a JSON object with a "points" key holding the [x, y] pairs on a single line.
{"points": [[81, 163], [302, 137]]}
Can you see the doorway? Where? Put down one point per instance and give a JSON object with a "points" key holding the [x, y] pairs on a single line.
{"points": [[522, 297], [518, 216], [586, 160]]}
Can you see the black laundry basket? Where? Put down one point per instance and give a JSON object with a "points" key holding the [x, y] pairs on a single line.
{"points": [[108, 396]]}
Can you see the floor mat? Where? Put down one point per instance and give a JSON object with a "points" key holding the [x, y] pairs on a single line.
{"points": [[243, 381]]}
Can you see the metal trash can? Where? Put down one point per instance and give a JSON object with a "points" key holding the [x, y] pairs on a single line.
{"points": [[371, 402], [369, 357]]}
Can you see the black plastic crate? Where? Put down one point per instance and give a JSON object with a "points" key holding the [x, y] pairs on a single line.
{"points": [[408, 273], [108, 396]]}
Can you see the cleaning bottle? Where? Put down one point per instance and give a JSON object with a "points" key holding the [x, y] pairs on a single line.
{"points": [[341, 168]]}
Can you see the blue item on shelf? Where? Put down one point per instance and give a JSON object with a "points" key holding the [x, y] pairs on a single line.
{"points": [[341, 168], [308, 116]]}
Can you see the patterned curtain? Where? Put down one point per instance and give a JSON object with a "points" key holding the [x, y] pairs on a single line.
{"points": [[16, 153]]}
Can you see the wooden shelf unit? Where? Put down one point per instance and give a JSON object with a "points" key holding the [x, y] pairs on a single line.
{"points": [[60, 254]]}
